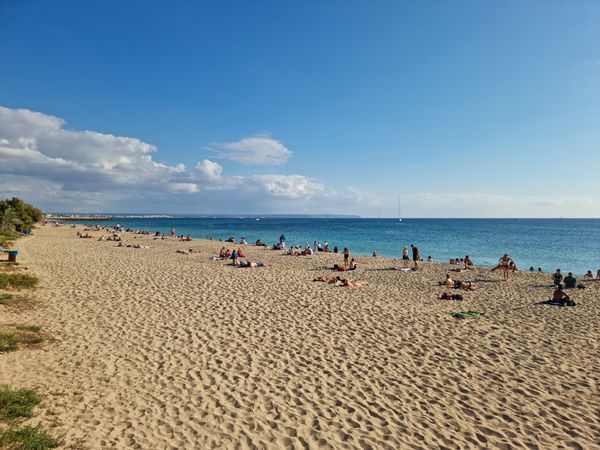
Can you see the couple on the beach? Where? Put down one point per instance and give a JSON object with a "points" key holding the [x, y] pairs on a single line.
{"points": [[416, 256]]}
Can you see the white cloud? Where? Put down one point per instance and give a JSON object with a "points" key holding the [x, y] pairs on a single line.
{"points": [[253, 150], [288, 186], [62, 169], [189, 188], [209, 171]]}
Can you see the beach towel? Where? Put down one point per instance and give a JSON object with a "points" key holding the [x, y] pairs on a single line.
{"points": [[466, 314], [557, 303]]}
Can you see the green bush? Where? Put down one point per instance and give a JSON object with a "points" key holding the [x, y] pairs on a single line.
{"points": [[17, 216], [17, 280], [16, 403], [8, 341], [27, 438]]}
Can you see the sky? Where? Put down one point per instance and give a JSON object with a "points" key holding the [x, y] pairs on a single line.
{"points": [[450, 108]]}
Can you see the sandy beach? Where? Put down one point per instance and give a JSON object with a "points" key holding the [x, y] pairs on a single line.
{"points": [[153, 349]]}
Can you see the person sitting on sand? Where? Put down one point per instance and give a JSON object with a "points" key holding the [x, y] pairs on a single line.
{"points": [[589, 274], [597, 275], [505, 264], [222, 252], [353, 265], [531, 269], [469, 263], [570, 281], [243, 241], [326, 247], [557, 277], [449, 281], [227, 254], [240, 253], [259, 243], [559, 295]]}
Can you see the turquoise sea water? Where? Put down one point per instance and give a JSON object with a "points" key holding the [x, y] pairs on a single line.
{"points": [[571, 244]]}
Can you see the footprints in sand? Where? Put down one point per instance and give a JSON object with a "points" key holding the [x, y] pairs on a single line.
{"points": [[160, 351]]}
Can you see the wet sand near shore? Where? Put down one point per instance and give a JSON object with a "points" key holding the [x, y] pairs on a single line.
{"points": [[156, 349]]}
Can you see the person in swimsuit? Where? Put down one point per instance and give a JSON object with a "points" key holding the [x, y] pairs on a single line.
{"points": [[346, 257], [416, 255], [559, 295], [557, 277], [405, 258], [505, 264]]}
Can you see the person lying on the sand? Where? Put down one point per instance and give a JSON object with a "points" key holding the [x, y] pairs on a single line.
{"points": [[340, 281], [466, 285], [450, 296], [326, 278]]}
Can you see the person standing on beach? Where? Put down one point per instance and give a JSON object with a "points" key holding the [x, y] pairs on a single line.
{"points": [[505, 263], [405, 258], [416, 256], [282, 241], [346, 257], [172, 232]]}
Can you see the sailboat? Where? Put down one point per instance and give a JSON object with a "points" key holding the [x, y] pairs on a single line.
{"points": [[399, 218]]}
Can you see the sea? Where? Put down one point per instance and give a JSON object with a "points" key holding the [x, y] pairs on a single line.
{"points": [[573, 245]]}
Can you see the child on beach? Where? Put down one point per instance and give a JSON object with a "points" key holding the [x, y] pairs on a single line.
{"points": [[346, 257]]}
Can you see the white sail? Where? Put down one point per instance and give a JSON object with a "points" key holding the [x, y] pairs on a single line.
{"points": [[399, 215]]}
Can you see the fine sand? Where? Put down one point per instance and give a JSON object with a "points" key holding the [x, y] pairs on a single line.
{"points": [[158, 350]]}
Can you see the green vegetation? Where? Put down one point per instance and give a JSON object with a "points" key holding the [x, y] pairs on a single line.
{"points": [[30, 328], [12, 337], [16, 216], [27, 438], [17, 280], [8, 341], [5, 298], [15, 405]]}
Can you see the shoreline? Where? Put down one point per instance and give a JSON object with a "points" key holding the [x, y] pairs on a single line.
{"points": [[198, 238], [157, 349]]}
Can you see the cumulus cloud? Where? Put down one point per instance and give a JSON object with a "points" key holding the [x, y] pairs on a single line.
{"points": [[42, 160], [253, 150], [288, 186], [209, 171]]}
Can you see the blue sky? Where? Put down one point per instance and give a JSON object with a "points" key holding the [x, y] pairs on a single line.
{"points": [[461, 109]]}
